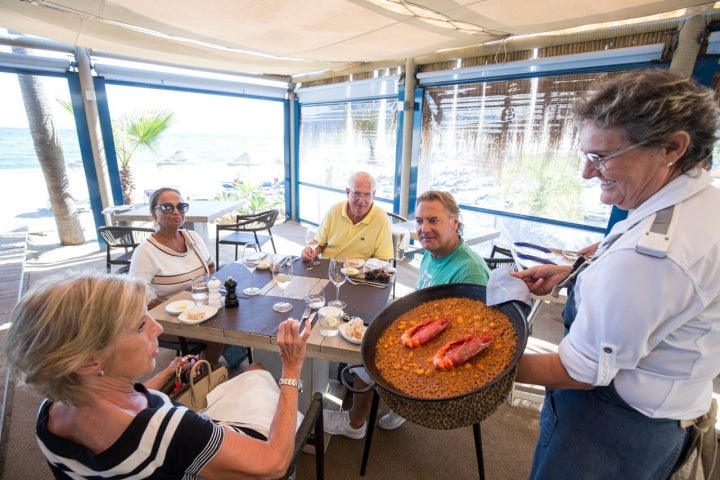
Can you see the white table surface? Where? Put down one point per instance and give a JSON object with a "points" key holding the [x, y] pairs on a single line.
{"points": [[201, 213]]}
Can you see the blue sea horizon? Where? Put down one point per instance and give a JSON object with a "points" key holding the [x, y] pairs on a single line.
{"points": [[17, 150], [211, 161]]}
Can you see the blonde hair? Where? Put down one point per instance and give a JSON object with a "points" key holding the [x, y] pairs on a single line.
{"points": [[62, 322]]}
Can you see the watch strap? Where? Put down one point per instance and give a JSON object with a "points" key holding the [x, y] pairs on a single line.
{"points": [[292, 382]]}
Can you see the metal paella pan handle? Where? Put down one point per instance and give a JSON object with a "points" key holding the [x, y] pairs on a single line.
{"points": [[351, 388]]}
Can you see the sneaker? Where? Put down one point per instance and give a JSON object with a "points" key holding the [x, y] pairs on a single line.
{"points": [[338, 423], [390, 421]]}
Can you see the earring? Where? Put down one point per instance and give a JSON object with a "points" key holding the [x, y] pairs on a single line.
{"points": [[101, 373], [669, 164]]}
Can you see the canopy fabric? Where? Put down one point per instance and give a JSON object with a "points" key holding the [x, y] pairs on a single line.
{"points": [[294, 37]]}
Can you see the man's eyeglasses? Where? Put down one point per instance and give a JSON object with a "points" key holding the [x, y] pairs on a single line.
{"points": [[169, 207], [598, 161], [359, 195]]}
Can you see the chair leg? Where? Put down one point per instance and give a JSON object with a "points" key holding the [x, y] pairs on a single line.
{"points": [[370, 430], [479, 450], [273, 244], [319, 442]]}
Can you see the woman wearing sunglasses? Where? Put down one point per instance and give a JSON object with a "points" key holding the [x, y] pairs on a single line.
{"points": [[172, 257]]}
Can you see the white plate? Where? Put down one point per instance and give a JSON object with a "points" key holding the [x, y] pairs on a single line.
{"points": [[179, 306], [354, 263], [348, 337], [350, 271], [208, 312]]}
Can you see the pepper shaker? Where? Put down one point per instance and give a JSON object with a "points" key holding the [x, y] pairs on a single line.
{"points": [[231, 299]]}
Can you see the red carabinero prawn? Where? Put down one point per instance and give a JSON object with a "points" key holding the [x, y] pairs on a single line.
{"points": [[422, 333], [459, 352]]}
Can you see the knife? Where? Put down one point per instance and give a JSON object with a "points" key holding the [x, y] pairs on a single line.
{"points": [[312, 321], [358, 281]]}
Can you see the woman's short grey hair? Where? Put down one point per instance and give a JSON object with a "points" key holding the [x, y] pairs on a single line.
{"points": [[649, 105], [62, 323], [448, 202]]}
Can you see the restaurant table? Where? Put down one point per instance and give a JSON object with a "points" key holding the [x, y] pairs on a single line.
{"points": [[254, 323], [200, 213]]}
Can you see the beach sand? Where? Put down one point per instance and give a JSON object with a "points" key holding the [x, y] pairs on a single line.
{"points": [[25, 201]]}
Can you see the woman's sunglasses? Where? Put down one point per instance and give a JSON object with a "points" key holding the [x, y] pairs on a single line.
{"points": [[169, 207]]}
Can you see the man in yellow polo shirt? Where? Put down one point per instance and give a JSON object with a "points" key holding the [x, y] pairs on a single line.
{"points": [[354, 228]]}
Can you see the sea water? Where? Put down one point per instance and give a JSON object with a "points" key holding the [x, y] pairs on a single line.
{"points": [[207, 173], [211, 161]]}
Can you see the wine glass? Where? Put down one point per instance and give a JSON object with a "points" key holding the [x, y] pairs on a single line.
{"points": [[310, 233], [282, 276], [250, 258], [337, 277]]}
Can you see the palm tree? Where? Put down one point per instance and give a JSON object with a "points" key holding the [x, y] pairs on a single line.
{"points": [[52, 160], [133, 132]]}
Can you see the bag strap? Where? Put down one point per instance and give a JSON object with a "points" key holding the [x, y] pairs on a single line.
{"points": [[180, 377], [194, 372], [699, 459], [189, 239]]}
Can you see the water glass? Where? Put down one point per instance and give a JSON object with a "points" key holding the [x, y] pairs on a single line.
{"points": [[199, 291], [315, 300], [329, 320]]}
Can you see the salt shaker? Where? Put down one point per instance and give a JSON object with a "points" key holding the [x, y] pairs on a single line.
{"points": [[214, 299]]}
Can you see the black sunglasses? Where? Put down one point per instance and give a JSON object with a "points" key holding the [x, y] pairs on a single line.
{"points": [[169, 207]]}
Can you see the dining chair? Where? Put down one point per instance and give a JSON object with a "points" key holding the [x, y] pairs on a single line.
{"points": [[395, 218], [122, 240], [245, 231], [310, 432]]}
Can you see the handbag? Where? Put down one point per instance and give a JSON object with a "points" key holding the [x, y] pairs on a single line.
{"points": [[699, 460], [194, 394]]}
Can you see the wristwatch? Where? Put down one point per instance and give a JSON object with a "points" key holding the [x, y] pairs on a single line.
{"points": [[293, 382]]}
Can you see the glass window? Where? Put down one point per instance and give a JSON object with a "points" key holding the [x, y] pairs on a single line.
{"points": [[509, 146], [215, 147], [337, 139]]}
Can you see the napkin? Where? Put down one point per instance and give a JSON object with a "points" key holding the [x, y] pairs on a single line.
{"points": [[377, 264], [503, 287], [248, 400]]}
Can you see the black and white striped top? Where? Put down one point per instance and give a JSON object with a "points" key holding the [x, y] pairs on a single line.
{"points": [[164, 441]]}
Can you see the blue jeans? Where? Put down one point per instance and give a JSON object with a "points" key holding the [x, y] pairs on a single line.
{"points": [[594, 434]]}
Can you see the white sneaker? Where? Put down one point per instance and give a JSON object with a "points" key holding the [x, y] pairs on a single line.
{"points": [[390, 421], [338, 423]]}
